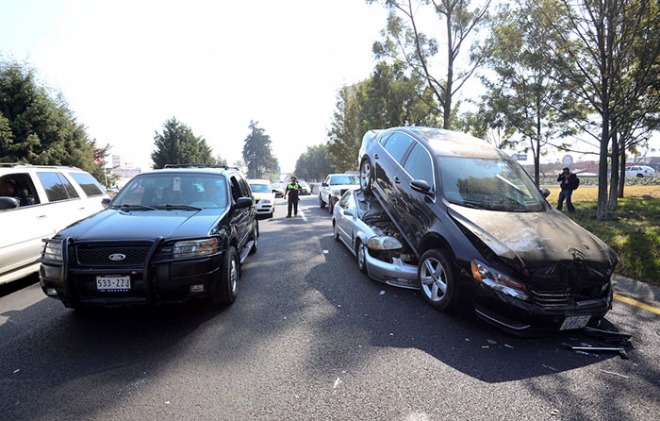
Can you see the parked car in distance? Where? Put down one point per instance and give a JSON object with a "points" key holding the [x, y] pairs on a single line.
{"points": [[264, 197], [334, 186], [278, 188], [45, 199], [169, 236], [639, 171], [305, 189], [481, 229], [365, 229]]}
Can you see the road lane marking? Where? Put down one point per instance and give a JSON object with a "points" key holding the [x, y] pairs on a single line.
{"points": [[637, 303]]}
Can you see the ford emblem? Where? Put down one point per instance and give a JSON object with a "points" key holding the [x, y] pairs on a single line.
{"points": [[117, 257]]}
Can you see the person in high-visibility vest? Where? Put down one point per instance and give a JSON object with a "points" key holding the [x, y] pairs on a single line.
{"points": [[292, 191]]}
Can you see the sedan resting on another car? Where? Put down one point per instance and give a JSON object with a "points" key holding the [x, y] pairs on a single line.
{"points": [[364, 228], [479, 227], [169, 236]]}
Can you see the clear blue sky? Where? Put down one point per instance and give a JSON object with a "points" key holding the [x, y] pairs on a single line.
{"points": [[126, 66]]}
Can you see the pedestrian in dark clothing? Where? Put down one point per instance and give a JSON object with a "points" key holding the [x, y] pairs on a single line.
{"points": [[568, 182], [292, 191]]}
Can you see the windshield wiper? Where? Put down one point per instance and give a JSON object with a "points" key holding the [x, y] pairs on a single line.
{"points": [[134, 207], [184, 207]]}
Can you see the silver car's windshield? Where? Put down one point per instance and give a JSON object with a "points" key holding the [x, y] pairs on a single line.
{"points": [[489, 184]]}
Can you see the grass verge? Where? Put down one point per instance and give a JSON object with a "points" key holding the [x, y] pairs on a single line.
{"points": [[632, 230]]}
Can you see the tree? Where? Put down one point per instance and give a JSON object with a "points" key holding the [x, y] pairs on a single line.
{"points": [[524, 99], [257, 153], [388, 98], [610, 55], [314, 164], [37, 129], [405, 42], [178, 145]]}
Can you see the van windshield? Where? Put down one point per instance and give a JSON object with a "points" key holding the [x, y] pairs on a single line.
{"points": [[490, 184]]}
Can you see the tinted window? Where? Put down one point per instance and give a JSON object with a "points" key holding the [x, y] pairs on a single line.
{"points": [[397, 145], [57, 186], [419, 165], [89, 185]]}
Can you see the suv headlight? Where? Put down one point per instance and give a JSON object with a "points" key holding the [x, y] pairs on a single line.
{"points": [[195, 248], [52, 252], [498, 281]]}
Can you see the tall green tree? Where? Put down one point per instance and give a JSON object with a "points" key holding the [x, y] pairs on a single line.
{"points": [[314, 164], [178, 145], [524, 97], [388, 98], [258, 153], [610, 55], [38, 129], [404, 41]]}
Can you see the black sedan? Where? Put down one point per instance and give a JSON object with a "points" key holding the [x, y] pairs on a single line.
{"points": [[480, 227]]}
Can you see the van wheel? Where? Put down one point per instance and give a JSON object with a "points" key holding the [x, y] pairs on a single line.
{"points": [[361, 253], [366, 179], [228, 278], [436, 280]]}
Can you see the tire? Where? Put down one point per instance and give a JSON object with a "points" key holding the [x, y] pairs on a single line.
{"points": [[331, 205], [321, 202], [366, 176], [254, 236], [336, 230], [436, 280], [227, 286], [361, 254]]}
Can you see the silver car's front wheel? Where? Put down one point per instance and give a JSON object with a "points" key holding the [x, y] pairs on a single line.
{"points": [[436, 280], [361, 256]]}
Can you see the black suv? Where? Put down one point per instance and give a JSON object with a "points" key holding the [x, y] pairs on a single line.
{"points": [[168, 236], [478, 225]]}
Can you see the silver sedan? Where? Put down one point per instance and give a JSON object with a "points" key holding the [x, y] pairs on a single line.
{"points": [[365, 229]]}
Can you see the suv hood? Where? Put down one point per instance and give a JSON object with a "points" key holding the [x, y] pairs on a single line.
{"points": [[144, 225], [547, 245]]}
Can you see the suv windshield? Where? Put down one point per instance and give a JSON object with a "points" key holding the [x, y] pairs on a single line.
{"points": [[154, 190], [488, 184]]}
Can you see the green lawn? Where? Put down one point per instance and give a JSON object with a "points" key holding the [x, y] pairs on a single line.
{"points": [[632, 230]]}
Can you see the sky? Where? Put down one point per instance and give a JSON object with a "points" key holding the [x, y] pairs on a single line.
{"points": [[125, 67]]}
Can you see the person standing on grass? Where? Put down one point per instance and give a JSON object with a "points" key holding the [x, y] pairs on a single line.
{"points": [[568, 182], [292, 190]]}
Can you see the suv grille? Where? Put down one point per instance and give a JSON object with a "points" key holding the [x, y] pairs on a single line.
{"points": [[99, 255]]}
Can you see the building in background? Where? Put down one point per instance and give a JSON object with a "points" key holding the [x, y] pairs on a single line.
{"points": [[125, 170]]}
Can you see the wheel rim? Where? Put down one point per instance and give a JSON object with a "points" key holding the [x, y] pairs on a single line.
{"points": [[233, 276], [365, 175], [434, 280], [361, 257]]}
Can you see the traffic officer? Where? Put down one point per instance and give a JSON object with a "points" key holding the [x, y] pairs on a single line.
{"points": [[292, 191]]}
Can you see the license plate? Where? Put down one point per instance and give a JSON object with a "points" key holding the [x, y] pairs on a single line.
{"points": [[113, 283], [575, 322]]}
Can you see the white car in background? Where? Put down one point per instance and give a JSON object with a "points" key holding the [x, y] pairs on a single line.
{"points": [[46, 200], [264, 198], [639, 171]]}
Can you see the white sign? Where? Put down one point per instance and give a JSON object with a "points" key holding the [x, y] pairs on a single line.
{"points": [[567, 160]]}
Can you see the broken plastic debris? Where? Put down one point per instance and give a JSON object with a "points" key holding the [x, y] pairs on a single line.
{"points": [[337, 382], [382, 293], [325, 251], [492, 342], [508, 346], [615, 374], [17, 370]]}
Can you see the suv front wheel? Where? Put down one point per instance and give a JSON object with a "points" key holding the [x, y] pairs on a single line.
{"points": [[436, 279], [228, 278]]}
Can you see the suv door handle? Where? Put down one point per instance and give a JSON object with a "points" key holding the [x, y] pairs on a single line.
{"points": [[396, 180]]}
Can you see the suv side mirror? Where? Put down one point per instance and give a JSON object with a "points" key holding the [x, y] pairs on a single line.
{"points": [[545, 192]]}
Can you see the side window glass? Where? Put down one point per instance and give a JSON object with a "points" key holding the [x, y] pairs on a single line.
{"points": [[243, 186], [88, 184], [397, 145], [419, 165], [57, 186]]}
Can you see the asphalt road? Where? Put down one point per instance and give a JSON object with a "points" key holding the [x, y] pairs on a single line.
{"points": [[311, 338]]}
